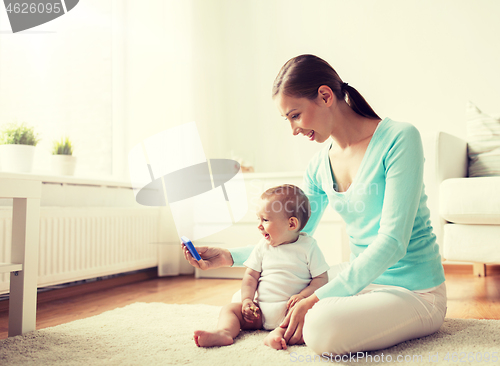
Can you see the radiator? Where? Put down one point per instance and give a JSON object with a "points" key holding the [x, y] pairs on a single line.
{"points": [[83, 243]]}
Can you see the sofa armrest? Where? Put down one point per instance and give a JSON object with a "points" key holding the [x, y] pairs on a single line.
{"points": [[451, 157]]}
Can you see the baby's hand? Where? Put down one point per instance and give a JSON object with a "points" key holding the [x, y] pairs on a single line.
{"points": [[250, 311], [293, 300]]}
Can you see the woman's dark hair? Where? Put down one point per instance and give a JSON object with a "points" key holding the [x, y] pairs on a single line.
{"points": [[302, 76]]}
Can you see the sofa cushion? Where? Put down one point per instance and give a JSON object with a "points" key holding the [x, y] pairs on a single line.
{"points": [[483, 143], [470, 200], [472, 243]]}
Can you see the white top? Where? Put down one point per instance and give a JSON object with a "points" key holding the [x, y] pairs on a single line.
{"points": [[287, 269]]}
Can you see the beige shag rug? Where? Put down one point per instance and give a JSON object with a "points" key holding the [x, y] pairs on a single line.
{"points": [[162, 334]]}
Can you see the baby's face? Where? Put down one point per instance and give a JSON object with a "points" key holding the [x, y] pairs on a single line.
{"points": [[273, 223]]}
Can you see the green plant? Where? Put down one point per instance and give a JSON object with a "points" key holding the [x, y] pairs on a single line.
{"points": [[19, 134], [63, 147]]}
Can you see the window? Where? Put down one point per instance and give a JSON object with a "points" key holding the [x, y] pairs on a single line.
{"points": [[58, 78]]}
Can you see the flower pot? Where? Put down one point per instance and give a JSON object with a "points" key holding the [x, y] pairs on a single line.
{"points": [[63, 164], [17, 158]]}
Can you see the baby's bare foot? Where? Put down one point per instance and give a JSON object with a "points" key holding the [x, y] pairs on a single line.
{"points": [[203, 338], [275, 341]]}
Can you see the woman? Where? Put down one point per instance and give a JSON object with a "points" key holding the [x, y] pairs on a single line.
{"points": [[371, 173]]}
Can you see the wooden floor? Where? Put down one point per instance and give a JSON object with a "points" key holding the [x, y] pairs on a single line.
{"points": [[468, 297]]}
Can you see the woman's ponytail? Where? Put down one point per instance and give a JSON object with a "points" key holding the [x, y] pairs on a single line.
{"points": [[302, 76], [358, 103]]}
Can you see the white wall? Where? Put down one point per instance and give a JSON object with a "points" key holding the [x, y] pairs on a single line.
{"points": [[415, 61], [214, 61], [156, 66]]}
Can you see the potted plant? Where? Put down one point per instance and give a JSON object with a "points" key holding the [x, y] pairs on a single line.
{"points": [[17, 147], [63, 161]]}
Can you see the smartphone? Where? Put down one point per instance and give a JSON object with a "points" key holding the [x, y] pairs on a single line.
{"points": [[191, 248]]}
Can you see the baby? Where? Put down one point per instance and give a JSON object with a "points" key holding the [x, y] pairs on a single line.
{"points": [[285, 267]]}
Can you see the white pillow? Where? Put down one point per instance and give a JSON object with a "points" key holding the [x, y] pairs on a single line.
{"points": [[483, 143]]}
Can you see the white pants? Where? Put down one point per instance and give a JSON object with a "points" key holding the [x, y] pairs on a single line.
{"points": [[376, 318]]}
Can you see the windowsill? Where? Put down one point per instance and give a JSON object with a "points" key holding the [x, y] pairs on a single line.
{"points": [[110, 181], [46, 177], [271, 175], [75, 191], [78, 191]]}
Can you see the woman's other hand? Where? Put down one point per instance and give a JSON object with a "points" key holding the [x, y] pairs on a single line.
{"points": [[294, 320], [211, 257]]}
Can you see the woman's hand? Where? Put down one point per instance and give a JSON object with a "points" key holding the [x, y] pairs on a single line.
{"points": [[211, 257], [294, 320]]}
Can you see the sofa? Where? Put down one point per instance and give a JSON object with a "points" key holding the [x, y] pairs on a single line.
{"points": [[469, 207]]}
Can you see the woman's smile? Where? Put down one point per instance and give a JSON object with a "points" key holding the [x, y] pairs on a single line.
{"points": [[304, 114]]}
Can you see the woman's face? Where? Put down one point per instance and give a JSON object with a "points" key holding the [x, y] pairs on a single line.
{"points": [[307, 117]]}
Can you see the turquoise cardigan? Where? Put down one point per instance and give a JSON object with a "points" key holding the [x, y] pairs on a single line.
{"points": [[385, 211]]}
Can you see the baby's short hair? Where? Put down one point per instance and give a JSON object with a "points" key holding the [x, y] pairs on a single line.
{"points": [[293, 202]]}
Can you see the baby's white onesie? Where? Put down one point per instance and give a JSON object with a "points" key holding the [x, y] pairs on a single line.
{"points": [[285, 270]]}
